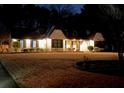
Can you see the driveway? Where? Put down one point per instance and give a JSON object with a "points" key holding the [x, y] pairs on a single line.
{"points": [[57, 70]]}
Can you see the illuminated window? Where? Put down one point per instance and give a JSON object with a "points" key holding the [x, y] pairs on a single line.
{"points": [[21, 43], [83, 46], [42, 43], [28, 43], [91, 43], [34, 44]]}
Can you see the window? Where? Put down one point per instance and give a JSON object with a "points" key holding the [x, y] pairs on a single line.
{"points": [[57, 43]]}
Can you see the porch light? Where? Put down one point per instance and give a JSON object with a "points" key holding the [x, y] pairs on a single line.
{"points": [[67, 46], [14, 40]]}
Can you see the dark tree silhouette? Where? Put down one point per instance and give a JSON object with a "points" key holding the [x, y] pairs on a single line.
{"points": [[62, 10], [59, 13], [108, 19], [115, 14]]}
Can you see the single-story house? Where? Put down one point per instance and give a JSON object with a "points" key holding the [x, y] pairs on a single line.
{"points": [[52, 40]]}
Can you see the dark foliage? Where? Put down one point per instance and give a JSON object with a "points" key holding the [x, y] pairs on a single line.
{"points": [[110, 67], [23, 19]]}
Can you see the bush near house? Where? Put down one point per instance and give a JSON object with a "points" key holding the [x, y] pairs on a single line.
{"points": [[41, 50], [28, 50], [97, 49], [110, 67], [16, 46], [90, 48]]}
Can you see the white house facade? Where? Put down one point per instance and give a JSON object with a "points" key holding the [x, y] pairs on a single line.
{"points": [[54, 40]]}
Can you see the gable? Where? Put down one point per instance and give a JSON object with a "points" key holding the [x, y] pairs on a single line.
{"points": [[98, 37], [57, 34]]}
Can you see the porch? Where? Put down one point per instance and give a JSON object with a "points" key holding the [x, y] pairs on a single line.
{"points": [[43, 45]]}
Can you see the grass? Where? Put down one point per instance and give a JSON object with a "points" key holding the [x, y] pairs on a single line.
{"points": [[110, 67]]}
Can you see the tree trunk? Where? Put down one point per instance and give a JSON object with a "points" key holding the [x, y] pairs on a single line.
{"points": [[120, 56]]}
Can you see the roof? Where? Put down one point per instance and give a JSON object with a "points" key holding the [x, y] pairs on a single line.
{"points": [[33, 35], [53, 31], [57, 34], [20, 33], [97, 36]]}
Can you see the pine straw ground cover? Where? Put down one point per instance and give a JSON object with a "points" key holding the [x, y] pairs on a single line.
{"points": [[57, 70]]}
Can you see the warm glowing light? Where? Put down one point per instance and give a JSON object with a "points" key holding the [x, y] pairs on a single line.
{"points": [[91, 43], [66, 39], [74, 46], [80, 40], [74, 39], [28, 43], [48, 40], [14, 40], [83, 46], [67, 46], [48, 43], [22, 43], [67, 43], [42, 43]]}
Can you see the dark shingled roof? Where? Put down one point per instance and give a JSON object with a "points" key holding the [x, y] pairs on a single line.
{"points": [[96, 36], [40, 34]]}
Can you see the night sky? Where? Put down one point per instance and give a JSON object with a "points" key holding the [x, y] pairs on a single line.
{"points": [[76, 7]]}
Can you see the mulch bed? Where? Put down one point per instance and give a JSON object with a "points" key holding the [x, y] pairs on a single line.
{"points": [[110, 67]]}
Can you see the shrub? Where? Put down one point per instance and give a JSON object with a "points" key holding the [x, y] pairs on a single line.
{"points": [[97, 49], [90, 48], [16, 46]]}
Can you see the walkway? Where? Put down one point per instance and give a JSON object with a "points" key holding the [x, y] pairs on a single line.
{"points": [[5, 79]]}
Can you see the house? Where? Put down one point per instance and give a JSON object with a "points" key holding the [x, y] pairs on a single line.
{"points": [[52, 40], [5, 42], [98, 39]]}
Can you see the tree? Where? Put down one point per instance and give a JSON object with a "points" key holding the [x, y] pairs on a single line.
{"points": [[59, 13], [109, 19], [115, 14], [62, 10]]}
